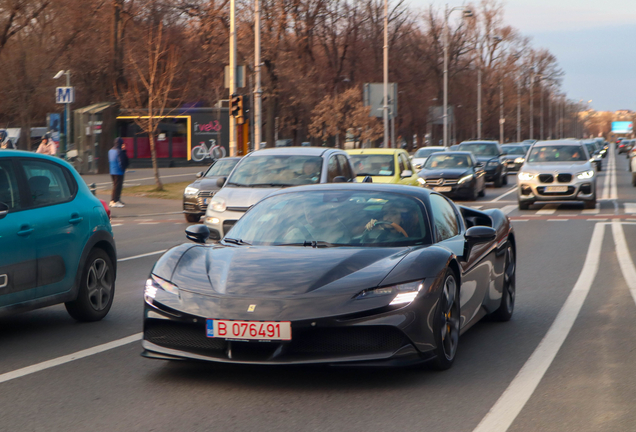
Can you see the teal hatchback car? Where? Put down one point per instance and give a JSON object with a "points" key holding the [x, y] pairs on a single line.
{"points": [[56, 241]]}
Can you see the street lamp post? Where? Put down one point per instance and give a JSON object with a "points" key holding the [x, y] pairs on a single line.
{"points": [[479, 103], [67, 126], [532, 77], [541, 107], [385, 107], [466, 14], [502, 119], [519, 108], [257, 72], [233, 146]]}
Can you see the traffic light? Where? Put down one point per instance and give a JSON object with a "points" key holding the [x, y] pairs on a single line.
{"points": [[234, 104]]}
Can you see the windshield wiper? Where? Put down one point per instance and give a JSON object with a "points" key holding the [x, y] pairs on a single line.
{"points": [[236, 241], [314, 244], [236, 184], [270, 185]]}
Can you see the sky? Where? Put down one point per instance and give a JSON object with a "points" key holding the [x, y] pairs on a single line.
{"points": [[594, 42]]}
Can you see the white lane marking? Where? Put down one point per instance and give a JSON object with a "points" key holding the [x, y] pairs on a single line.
{"points": [[507, 209], [624, 258], [114, 225], [597, 219], [514, 398], [18, 373], [548, 209], [476, 207], [511, 190], [148, 223], [149, 178], [595, 210], [630, 208], [142, 255], [614, 192], [606, 180], [558, 220], [521, 220]]}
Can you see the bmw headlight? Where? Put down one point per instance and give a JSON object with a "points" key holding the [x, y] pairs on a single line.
{"points": [[585, 175], [493, 163], [155, 283], [218, 204], [520, 160], [465, 179], [421, 181], [524, 176], [403, 293], [191, 192]]}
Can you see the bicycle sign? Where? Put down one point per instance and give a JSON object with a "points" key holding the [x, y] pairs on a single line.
{"points": [[202, 151]]}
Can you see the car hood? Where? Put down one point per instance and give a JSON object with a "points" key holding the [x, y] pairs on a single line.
{"points": [[449, 173], [283, 271], [206, 183], [379, 179], [244, 196], [484, 159], [511, 157], [557, 167], [419, 161]]}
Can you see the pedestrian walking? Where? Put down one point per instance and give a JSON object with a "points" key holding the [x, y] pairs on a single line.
{"points": [[47, 146], [116, 172], [124, 164]]}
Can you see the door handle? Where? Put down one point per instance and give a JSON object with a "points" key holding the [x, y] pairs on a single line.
{"points": [[75, 219], [25, 230]]}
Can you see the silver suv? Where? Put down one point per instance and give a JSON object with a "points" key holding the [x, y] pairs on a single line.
{"points": [[557, 171], [264, 171]]}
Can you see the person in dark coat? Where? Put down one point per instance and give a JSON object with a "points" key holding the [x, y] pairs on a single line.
{"points": [[117, 171]]}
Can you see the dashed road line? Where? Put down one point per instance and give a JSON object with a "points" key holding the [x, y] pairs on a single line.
{"points": [[507, 209], [624, 258], [511, 190], [142, 255], [548, 209]]}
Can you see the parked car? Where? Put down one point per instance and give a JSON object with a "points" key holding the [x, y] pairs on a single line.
{"points": [[514, 155], [489, 154], [557, 170], [383, 165], [56, 241], [456, 174], [419, 158], [198, 194], [264, 171], [334, 274]]}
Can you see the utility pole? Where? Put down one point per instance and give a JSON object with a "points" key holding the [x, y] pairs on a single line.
{"points": [[541, 124], [502, 119], [519, 108], [445, 114], [257, 71], [549, 117], [232, 68], [531, 103], [479, 102], [385, 107]]}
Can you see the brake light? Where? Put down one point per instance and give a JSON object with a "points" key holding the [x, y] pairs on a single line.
{"points": [[105, 207]]}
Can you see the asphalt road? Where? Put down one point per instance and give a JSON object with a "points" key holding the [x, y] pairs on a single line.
{"points": [[566, 361]]}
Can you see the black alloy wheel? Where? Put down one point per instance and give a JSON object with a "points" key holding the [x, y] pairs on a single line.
{"points": [[97, 288], [507, 306], [446, 325]]}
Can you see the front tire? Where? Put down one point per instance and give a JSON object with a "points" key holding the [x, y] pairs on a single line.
{"points": [[97, 288], [446, 324], [634, 179], [505, 178], [590, 204], [498, 181], [192, 218], [507, 307], [523, 205]]}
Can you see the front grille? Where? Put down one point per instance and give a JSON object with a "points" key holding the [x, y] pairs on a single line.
{"points": [[570, 191], [227, 225], [346, 340], [440, 181], [564, 178], [238, 209], [188, 206], [206, 194], [546, 178], [190, 337]]}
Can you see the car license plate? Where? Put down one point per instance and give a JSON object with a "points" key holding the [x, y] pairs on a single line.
{"points": [[248, 330], [556, 189], [205, 201], [443, 189]]}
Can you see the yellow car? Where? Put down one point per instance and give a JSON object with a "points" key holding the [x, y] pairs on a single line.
{"points": [[383, 165]]}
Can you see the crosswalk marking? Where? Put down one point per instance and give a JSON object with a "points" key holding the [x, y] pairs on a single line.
{"points": [[548, 209], [507, 209], [630, 208], [595, 210]]}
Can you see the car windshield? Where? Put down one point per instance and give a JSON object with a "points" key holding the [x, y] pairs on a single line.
{"points": [[326, 218], [439, 161], [222, 167], [373, 164], [276, 170], [591, 148], [557, 153], [514, 150], [480, 149], [426, 152]]}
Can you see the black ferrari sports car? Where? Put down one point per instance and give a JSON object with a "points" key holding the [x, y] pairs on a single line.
{"points": [[335, 274]]}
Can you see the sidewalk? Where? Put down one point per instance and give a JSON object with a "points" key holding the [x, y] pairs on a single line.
{"points": [[142, 206], [144, 176]]}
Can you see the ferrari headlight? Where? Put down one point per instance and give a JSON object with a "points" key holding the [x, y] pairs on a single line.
{"points": [[155, 283], [191, 192], [493, 163], [524, 176], [520, 160], [403, 293], [465, 179], [585, 175], [218, 204], [421, 181]]}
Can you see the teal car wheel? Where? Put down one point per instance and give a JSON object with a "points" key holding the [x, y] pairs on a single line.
{"points": [[97, 288]]}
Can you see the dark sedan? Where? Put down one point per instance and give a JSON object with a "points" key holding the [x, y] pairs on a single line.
{"points": [[457, 174], [514, 155], [334, 274], [198, 194], [488, 153]]}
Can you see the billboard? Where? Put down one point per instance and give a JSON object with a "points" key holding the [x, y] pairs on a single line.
{"points": [[622, 127], [373, 96], [54, 123]]}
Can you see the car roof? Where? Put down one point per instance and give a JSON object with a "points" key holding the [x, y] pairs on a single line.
{"points": [[22, 153], [300, 151], [418, 192], [377, 151], [431, 147], [516, 144], [479, 142], [230, 158], [558, 142], [457, 152]]}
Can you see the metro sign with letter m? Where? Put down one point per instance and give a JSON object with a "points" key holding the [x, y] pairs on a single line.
{"points": [[65, 95]]}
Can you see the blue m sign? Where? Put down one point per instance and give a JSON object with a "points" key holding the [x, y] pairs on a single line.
{"points": [[64, 95]]}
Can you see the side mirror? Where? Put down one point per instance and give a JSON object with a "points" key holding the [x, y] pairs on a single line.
{"points": [[339, 179], [367, 179], [200, 174], [220, 181], [477, 235], [197, 233], [406, 173], [4, 210], [479, 165]]}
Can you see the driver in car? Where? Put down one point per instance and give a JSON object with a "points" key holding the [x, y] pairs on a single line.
{"points": [[311, 171], [390, 224]]}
